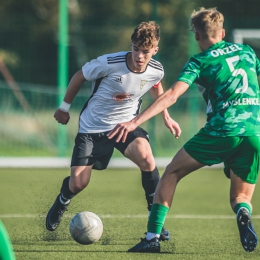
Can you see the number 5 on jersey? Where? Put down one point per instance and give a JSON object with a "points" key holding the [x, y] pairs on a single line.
{"points": [[237, 72]]}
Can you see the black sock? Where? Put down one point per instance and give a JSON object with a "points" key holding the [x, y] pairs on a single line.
{"points": [[65, 192], [150, 179]]}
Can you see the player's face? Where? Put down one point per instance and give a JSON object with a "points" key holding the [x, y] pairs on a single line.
{"points": [[140, 57]]}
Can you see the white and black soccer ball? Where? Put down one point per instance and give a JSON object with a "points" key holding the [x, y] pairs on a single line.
{"points": [[86, 228]]}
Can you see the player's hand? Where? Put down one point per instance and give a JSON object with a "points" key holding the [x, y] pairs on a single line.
{"points": [[61, 116], [173, 126], [122, 130]]}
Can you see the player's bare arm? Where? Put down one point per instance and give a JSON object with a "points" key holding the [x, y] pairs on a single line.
{"points": [[164, 101], [62, 115], [168, 121]]}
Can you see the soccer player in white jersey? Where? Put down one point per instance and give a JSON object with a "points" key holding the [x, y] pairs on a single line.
{"points": [[119, 80]]}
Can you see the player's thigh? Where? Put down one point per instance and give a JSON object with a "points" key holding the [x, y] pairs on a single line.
{"points": [[182, 164], [138, 132], [244, 162], [137, 142], [137, 149]]}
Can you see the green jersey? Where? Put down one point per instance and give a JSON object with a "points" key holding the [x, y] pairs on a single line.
{"points": [[226, 74]]}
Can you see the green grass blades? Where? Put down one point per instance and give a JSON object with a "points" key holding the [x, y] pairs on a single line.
{"points": [[201, 223]]}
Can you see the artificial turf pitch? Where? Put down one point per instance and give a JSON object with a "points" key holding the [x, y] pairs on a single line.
{"points": [[201, 223]]}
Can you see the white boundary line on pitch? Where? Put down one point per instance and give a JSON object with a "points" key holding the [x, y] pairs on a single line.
{"points": [[102, 216], [52, 162]]}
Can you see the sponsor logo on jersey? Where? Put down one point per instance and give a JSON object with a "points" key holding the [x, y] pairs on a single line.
{"points": [[142, 83], [242, 102], [122, 97]]}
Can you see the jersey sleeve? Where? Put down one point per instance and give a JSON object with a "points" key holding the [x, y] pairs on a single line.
{"points": [[257, 66], [96, 68], [190, 72], [161, 75], [156, 85]]}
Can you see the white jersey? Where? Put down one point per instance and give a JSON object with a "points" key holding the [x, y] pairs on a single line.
{"points": [[116, 91]]}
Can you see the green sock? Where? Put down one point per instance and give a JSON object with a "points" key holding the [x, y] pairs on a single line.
{"points": [[243, 205], [157, 218]]}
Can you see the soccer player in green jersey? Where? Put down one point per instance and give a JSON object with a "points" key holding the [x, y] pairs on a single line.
{"points": [[227, 76]]}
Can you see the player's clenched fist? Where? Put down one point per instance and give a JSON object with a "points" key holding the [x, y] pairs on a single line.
{"points": [[61, 116]]}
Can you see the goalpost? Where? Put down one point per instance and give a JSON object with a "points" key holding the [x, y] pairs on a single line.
{"points": [[239, 35]]}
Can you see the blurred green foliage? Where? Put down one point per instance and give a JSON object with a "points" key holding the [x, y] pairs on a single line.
{"points": [[29, 32]]}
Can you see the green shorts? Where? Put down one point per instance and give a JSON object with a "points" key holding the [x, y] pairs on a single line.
{"points": [[239, 153]]}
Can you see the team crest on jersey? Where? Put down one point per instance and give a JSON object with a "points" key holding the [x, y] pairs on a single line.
{"points": [[119, 80], [142, 83]]}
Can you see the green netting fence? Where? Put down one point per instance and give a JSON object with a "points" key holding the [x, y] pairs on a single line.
{"points": [[28, 127]]}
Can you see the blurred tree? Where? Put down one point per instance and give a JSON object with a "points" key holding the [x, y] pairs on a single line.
{"points": [[28, 31]]}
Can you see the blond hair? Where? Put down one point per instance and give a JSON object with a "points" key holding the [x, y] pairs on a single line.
{"points": [[146, 34], [207, 22]]}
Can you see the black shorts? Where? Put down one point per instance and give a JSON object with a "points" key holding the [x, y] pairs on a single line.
{"points": [[97, 148]]}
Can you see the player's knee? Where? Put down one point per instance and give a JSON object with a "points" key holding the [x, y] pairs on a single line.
{"points": [[175, 173], [171, 178], [146, 162]]}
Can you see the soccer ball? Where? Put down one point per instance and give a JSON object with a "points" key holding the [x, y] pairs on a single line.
{"points": [[86, 228]]}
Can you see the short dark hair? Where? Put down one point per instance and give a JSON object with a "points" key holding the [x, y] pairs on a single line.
{"points": [[146, 34]]}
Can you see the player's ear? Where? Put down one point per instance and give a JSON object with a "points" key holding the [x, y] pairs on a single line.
{"points": [[156, 49], [197, 36], [223, 33]]}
